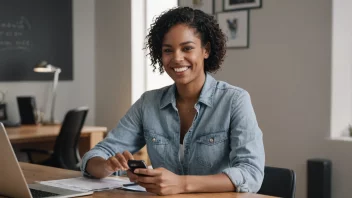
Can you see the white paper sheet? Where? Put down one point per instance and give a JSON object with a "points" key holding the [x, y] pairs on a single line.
{"points": [[84, 184], [135, 188]]}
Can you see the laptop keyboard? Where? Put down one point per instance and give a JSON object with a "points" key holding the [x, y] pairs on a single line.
{"points": [[38, 193]]}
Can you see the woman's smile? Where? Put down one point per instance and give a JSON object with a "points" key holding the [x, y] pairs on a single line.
{"points": [[181, 69]]}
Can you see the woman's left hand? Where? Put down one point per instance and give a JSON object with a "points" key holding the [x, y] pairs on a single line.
{"points": [[160, 181]]}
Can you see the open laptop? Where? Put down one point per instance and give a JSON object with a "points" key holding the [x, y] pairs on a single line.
{"points": [[12, 181]]}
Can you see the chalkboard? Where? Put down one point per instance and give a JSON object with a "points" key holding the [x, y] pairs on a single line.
{"points": [[31, 31]]}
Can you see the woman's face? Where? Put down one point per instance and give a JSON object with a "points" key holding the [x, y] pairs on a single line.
{"points": [[183, 55]]}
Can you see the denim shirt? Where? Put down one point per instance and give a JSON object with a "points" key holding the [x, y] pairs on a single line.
{"points": [[223, 138]]}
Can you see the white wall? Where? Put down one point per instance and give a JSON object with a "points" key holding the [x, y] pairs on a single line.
{"points": [[113, 61], [71, 94]]}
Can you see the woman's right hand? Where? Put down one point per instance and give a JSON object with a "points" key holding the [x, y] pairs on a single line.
{"points": [[118, 162]]}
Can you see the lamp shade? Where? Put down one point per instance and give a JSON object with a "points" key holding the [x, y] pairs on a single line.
{"points": [[44, 67]]}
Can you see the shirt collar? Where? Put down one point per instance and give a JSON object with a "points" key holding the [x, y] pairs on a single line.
{"points": [[206, 95]]}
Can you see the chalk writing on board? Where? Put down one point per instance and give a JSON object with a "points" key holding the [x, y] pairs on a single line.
{"points": [[14, 34]]}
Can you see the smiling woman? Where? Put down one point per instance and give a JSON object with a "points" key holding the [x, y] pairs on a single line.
{"points": [[201, 134]]}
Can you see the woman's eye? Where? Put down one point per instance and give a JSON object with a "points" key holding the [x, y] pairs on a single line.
{"points": [[187, 48], [167, 50]]}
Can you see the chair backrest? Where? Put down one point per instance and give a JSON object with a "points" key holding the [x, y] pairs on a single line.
{"points": [[279, 182], [66, 152]]}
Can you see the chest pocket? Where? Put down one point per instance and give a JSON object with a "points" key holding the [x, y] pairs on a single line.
{"points": [[212, 149], [213, 139], [157, 146], [156, 139]]}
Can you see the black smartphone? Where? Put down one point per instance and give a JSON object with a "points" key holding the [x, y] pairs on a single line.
{"points": [[133, 164]]}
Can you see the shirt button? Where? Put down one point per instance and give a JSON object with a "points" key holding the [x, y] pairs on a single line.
{"points": [[211, 140], [153, 139]]}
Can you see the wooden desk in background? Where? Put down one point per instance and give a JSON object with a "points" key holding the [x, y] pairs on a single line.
{"points": [[40, 173], [44, 136]]}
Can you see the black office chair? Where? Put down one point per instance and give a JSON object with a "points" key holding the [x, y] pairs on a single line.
{"points": [[65, 154], [279, 182]]}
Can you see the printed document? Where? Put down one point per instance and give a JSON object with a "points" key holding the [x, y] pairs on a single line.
{"points": [[85, 184]]}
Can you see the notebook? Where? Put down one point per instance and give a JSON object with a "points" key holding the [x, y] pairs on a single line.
{"points": [[12, 181]]}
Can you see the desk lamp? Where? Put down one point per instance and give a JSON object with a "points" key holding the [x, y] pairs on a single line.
{"points": [[44, 67]]}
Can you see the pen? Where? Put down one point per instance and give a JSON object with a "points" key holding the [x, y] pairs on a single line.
{"points": [[130, 184]]}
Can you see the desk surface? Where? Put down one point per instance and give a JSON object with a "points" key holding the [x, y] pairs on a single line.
{"points": [[39, 173], [32, 132]]}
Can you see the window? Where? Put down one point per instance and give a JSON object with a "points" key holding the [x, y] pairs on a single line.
{"points": [[143, 77], [341, 76], [154, 8]]}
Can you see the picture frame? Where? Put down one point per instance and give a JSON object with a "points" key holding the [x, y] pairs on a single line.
{"points": [[206, 6], [235, 26], [230, 5]]}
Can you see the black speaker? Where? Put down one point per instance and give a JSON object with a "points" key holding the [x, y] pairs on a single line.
{"points": [[27, 108], [319, 178]]}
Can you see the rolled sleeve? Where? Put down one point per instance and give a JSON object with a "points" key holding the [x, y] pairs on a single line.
{"points": [[247, 157], [237, 179], [92, 153]]}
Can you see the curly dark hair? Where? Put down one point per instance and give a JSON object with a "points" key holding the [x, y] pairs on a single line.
{"points": [[204, 24]]}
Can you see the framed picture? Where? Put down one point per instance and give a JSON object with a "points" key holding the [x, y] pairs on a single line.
{"points": [[235, 25], [241, 4], [206, 6]]}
